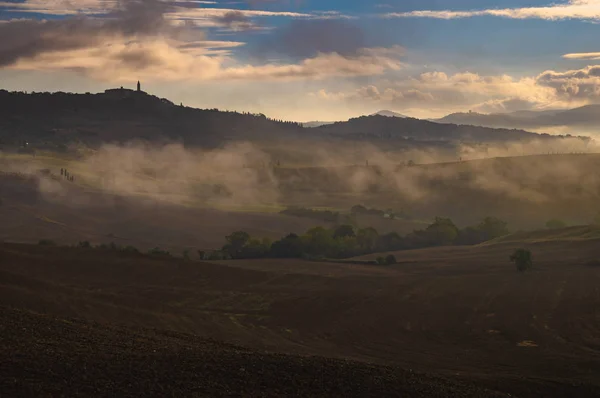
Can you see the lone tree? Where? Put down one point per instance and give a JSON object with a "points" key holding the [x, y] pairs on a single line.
{"points": [[522, 259]]}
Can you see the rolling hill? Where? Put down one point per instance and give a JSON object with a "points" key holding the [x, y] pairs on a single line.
{"points": [[120, 115], [459, 313], [143, 362], [432, 133]]}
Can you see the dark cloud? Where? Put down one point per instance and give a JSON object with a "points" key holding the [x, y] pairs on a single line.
{"points": [[236, 20], [261, 3], [132, 18], [305, 38]]}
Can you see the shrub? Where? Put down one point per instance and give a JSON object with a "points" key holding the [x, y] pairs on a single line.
{"points": [[493, 227], [522, 259], [159, 252], [289, 247], [387, 260], [84, 245], [46, 242], [218, 255], [442, 232], [235, 243], [130, 249], [343, 231]]}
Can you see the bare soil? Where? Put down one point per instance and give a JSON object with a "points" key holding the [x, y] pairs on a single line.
{"points": [[49, 356], [459, 313]]}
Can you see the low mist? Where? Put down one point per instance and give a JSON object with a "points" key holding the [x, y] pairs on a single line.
{"points": [[248, 176]]}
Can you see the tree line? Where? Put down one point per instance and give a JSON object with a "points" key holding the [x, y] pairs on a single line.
{"points": [[345, 241]]}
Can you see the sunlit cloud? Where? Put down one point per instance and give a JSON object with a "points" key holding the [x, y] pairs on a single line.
{"points": [[586, 56], [573, 9], [438, 93], [159, 59]]}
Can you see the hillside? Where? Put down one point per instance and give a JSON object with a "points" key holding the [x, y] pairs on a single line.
{"points": [[409, 129], [570, 234], [460, 313], [122, 115], [55, 120], [62, 355]]}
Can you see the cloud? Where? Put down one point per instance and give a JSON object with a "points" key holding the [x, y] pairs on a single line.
{"points": [[573, 9], [138, 38], [438, 92], [159, 59], [579, 84], [236, 21], [306, 38], [587, 56], [505, 105], [28, 38], [392, 96], [178, 10]]}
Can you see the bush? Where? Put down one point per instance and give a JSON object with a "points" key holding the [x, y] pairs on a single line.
{"points": [[289, 247], [442, 232], [218, 255], [130, 249], [388, 260], [159, 252], [84, 245], [46, 242], [522, 259], [235, 243], [493, 227]]}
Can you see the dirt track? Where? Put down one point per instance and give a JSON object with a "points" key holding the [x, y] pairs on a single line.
{"points": [[463, 313]]}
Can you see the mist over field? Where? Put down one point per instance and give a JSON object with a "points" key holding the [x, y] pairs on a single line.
{"points": [[244, 175]]}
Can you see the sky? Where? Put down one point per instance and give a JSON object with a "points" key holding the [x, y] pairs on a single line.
{"points": [[307, 60]]}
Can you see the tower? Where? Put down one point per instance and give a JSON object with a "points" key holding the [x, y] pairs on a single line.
{"points": [[139, 86]]}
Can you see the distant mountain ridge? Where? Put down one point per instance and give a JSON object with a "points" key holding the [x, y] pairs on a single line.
{"points": [[582, 117], [389, 114]]}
